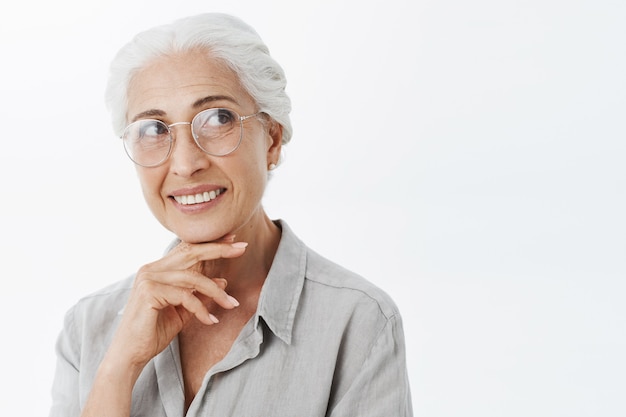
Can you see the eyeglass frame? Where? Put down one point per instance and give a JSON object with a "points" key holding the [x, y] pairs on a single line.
{"points": [[193, 134]]}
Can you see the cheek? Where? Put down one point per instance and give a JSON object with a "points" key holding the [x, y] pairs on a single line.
{"points": [[253, 159], [258, 167], [250, 177]]}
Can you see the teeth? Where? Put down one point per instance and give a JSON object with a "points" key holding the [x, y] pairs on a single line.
{"points": [[197, 198]]}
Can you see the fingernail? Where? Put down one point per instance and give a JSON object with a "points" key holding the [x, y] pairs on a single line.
{"points": [[213, 318], [233, 301], [239, 245], [229, 237]]}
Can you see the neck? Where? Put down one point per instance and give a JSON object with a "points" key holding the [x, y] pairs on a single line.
{"points": [[248, 272]]}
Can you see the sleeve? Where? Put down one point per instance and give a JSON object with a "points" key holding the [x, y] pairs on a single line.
{"points": [[65, 390], [381, 387]]}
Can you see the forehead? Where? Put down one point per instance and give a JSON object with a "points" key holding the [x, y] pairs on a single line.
{"points": [[175, 82]]}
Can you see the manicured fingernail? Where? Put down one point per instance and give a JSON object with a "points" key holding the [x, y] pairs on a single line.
{"points": [[213, 318], [239, 245], [233, 301]]}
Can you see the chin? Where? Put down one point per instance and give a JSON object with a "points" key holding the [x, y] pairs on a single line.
{"points": [[200, 236]]}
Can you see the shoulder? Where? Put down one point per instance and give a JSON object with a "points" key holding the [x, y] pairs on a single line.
{"points": [[325, 284], [347, 284], [101, 307], [358, 319], [109, 294]]}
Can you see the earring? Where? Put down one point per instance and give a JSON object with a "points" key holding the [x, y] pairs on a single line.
{"points": [[272, 167]]}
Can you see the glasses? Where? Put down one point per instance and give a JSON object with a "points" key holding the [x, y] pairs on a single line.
{"points": [[217, 132]]}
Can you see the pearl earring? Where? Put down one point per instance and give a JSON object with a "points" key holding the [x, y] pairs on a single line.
{"points": [[272, 166]]}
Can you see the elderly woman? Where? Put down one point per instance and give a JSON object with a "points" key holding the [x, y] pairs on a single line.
{"points": [[239, 317]]}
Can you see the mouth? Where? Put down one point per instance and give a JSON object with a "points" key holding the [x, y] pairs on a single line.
{"points": [[198, 198]]}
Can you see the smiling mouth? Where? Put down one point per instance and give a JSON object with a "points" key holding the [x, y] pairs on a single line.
{"points": [[199, 198]]}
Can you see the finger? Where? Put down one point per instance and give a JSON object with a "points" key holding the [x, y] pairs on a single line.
{"points": [[220, 282], [186, 255], [229, 238], [159, 296], [192, 280]]}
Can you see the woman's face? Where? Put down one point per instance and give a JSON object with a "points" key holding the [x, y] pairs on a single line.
{"points": [[174, 89]]}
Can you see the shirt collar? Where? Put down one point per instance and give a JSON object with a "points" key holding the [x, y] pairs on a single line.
{"points": [[281, 291]]}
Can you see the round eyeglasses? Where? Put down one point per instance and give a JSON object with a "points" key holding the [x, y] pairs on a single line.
{"points": [[218, 132]]}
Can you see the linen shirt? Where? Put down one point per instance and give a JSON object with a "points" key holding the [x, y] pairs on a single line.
{"points": [[323, 342]]}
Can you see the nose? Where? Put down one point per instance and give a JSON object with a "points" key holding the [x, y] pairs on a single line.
{"points": [[186, 158]]}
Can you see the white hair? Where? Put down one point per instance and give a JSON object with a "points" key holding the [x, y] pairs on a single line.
{"points": [[224, 37]]}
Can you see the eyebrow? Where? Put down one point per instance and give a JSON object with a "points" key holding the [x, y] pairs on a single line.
{"points": [[148, 114], [209, 99], [152, 113]]}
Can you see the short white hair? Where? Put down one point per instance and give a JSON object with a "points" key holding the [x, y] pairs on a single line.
{"points": [[224, 37]]}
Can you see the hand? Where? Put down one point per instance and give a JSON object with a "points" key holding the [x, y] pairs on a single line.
{"points": [[166, 296]]}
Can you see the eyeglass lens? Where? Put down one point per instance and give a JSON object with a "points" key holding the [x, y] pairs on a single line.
{"points": [[216, 131]]}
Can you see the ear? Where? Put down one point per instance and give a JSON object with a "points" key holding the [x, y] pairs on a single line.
{"points": [[274, 141]]}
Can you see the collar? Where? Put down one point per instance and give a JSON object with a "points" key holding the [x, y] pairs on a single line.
{"points": [[281, 291]]}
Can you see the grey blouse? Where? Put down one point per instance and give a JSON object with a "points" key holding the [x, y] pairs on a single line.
{"points": [[323, 342]]}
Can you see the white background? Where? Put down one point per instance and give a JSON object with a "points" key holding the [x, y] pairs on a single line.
{"points": [[466, 156]]}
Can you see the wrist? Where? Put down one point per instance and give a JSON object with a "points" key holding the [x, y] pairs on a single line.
{"points": [[116, 368], [111, 393]]}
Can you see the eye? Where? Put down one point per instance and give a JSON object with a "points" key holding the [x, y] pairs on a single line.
{"points": [[152, 129], [214, 122], [223, 117]]}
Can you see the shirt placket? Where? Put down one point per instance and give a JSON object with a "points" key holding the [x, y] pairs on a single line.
{"points": [[209, 401]]}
